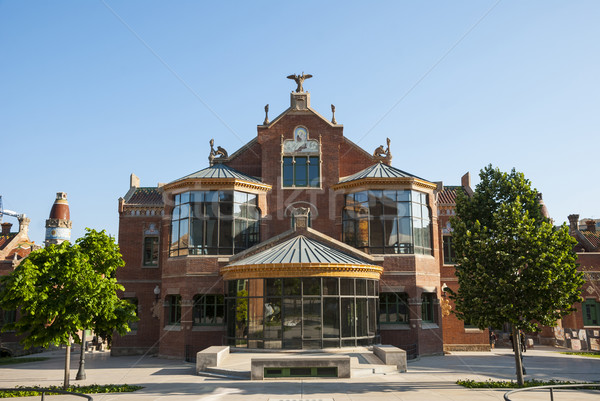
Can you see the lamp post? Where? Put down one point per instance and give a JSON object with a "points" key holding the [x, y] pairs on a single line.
{"points": [[156, 293], [81, 371]]}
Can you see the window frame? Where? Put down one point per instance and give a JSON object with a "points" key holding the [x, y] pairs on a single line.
{"points": [[367, 217], [449, 255], [590, 307], [399, 302], [200, 306], [154, 249], [173, 302], [428, 314], [207, 218], [313, 179]]}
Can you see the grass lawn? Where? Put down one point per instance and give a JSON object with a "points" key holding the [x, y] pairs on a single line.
{"points": [[14, 361]]}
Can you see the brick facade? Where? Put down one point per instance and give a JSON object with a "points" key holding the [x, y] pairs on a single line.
{"points": [[190, 275]]}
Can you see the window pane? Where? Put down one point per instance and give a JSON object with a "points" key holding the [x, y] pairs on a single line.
{"points": [[311, 286], [273, 319], [416, 210], [348, 317], [361, 287], [313, 171], [301, 170], [361, 317], [361, 197], [212, 233], [311, 318], [196, 196], [184, 211], [241, 234], [225, 236], [226, 196], [274, 286], [288, 172], [184, 238], [185, 197], [331, 318], [175, 235], [197, 238], [151, 251], [330, 286], [291, 286], [175, 213], [347, 286]]}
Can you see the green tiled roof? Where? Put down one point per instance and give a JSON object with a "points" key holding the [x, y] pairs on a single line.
{"points": [[220, 171], [300, 249], [379, 170]]}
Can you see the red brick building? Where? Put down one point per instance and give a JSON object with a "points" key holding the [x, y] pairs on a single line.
{"points": [[300, 239], [14, 247]]}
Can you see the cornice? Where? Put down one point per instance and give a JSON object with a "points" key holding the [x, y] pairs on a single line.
{"points": [[277, 270], [385, 182], [218, 183]]}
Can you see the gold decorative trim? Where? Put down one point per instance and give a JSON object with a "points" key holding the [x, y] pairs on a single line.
{"points": [[278, 270], [372, 181], [220, 183]]}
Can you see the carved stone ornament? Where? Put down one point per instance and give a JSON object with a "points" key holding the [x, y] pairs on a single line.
{"points": [[220, 153], [333, 114], [266, 115], [445, 306], [382, 154], [299, 80], [156, 309]]}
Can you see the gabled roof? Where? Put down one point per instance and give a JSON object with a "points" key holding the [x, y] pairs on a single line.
{"points": [[592, 237], [379, 170], [300, 250], [220, 171], [145, 196], [5, 239], [447, 195]]}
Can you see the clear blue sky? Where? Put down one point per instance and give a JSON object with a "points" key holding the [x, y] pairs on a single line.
{"points": [[91, 91]]}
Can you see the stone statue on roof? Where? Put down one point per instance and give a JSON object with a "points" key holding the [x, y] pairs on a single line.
{"points": [[220, 153], [382, 154], [299, 80]]}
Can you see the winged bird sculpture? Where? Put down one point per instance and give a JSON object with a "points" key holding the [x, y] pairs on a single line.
{"points": [[299, 80]]}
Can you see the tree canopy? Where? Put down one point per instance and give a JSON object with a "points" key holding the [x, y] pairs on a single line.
{"points": [[64, 288], [513, 265]]}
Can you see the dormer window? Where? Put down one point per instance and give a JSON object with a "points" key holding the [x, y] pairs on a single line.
{"points": [[301, 161]]}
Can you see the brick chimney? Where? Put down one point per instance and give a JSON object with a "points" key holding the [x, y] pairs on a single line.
{"points": [[465, 182], [591, 225], [6, 228], [573, 220]]}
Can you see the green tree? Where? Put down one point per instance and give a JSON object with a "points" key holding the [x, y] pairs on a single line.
{"points": [[513, 265], [62, 289]]}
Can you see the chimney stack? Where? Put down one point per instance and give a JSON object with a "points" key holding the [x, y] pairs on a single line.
{"points": [[573, 222], [6, 228], [591, 225]]}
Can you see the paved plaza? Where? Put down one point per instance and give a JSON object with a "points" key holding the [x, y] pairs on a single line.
{"points": [[430, 378]]}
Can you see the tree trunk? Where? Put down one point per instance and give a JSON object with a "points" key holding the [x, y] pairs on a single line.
{"points": [[67, 364], [516, 334]]}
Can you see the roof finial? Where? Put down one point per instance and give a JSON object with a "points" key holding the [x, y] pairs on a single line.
{"points": [[333, 114], [299, 80], [266, 115]]}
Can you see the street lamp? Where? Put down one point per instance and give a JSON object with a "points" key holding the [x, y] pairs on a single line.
{"points": [[81, 371], [444, 289], [156, 292]]}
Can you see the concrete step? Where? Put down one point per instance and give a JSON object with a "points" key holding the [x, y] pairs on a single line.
{"points": [[225, 373]]}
